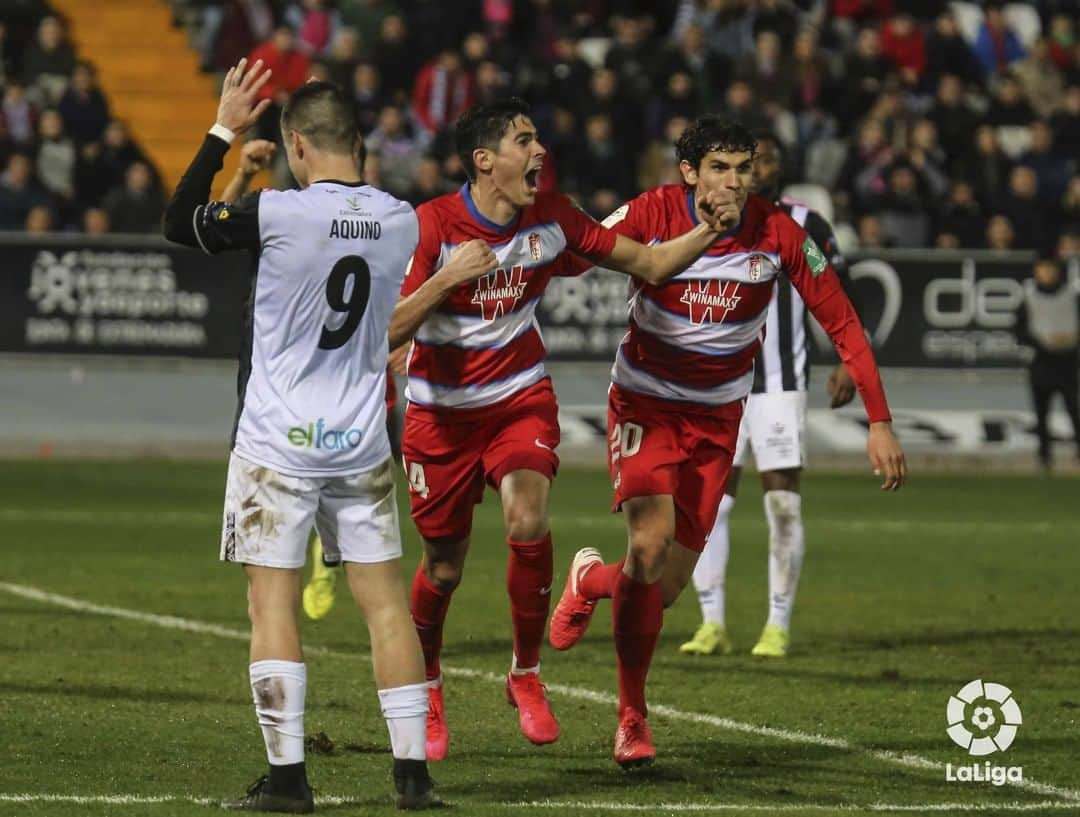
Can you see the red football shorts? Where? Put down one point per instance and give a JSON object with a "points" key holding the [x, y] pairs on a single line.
{"points": [[658, 447], [451, 454]]}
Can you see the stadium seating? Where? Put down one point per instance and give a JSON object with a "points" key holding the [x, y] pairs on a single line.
{"points": [[824, 158], [150, 76], [813, 196], [1024, 20], [968, 19]]}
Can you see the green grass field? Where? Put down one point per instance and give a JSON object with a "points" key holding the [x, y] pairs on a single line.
{"points": [[904, 599]]}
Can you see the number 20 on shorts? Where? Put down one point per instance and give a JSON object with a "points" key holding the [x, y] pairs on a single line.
{"points": [[625, 440]]}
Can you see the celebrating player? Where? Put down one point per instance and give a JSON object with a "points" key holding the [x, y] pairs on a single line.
{"points": [[309, 444], [480, 408], [679, 381], [774, 428]]}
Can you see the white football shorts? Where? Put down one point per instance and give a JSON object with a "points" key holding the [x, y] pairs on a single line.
{"points": [[269, 516], [774, 427]]}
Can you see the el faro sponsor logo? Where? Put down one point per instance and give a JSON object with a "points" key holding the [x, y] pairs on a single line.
{"points": [[317, 435]]}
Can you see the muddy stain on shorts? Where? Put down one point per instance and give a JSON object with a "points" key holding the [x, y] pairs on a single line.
{"points": [[257, 522], [384, 507]]}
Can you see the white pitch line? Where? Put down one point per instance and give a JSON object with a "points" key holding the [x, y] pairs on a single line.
{"points": [[912, 761], [791, 808], [1046, 805], [104, 799]]}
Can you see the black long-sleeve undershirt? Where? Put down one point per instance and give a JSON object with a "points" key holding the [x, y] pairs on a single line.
{"points": [[193, 191]]}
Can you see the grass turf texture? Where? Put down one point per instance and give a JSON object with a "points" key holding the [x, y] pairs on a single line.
{"points": [[904, 599]]}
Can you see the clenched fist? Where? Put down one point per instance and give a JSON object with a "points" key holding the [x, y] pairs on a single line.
{"points": [[720, 209], [470, 261]]}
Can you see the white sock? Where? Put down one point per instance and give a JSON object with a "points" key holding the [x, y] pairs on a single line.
{"points": [[278, 688], [711, 569], [405, 710], [787, 544]]}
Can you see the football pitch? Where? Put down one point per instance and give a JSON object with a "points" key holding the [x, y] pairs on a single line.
{"points": [[123, 658]]}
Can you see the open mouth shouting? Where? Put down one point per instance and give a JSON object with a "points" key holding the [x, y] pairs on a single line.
{"points": [[532, 176]]}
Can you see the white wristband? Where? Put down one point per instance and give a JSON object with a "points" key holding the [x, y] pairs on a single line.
{"points": [[223, 133]]}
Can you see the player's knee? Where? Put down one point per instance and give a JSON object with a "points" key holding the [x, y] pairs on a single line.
{"points": [[444, 576], [647, 553], [783, 505], [525, 524]]}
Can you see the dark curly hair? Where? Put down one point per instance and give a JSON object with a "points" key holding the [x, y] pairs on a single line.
{"points": [[709, 133], [483, 126]]}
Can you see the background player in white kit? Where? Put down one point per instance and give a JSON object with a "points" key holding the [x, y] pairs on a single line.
{"points": [[310, 444], [773, 427]]}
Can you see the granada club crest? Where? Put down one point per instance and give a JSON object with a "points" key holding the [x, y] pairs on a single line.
{"points": [[756, 264], [536, 249], [499, 293], [710, 301]]}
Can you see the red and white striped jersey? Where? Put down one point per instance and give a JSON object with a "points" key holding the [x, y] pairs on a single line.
{"points": [[482, 344], [694, 338]]}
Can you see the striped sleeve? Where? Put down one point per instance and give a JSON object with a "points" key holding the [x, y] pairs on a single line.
{"points": [[584, 235], [423, 262]]}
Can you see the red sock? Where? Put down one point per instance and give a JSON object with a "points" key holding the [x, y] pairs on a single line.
{"points": [[528, 581], [637, 616], [599, 581], [429, 606]]}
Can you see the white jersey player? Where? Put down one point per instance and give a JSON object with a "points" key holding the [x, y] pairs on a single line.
{"points": [[773, 428], [309, 445]]}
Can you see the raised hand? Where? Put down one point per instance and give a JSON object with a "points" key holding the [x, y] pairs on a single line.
{"points": [[256, 156], [470, 261], [239, 109], [886, 456]]}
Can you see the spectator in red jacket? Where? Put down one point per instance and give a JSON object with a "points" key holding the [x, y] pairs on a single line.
{"points": [[443, 92], [290, 68], [849, 15], [902, 42]]}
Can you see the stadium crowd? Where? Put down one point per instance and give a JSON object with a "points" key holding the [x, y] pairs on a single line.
{"points": [[929, 123], [66, 163]]}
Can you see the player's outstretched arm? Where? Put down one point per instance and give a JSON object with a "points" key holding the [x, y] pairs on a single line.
{"points": [[661, 262], [832, 309], [256, 156], [238, 110], [819, 286], [467, 262]]}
